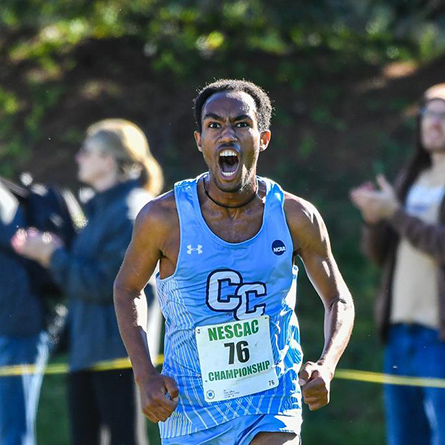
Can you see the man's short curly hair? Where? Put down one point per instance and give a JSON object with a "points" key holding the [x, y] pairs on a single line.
{"points": [[262, 100]]}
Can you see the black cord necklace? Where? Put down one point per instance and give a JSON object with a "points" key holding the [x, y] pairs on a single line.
{"points": [[228, 206]]}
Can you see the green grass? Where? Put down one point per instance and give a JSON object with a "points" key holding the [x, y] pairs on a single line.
{"points": [[52, 418]]}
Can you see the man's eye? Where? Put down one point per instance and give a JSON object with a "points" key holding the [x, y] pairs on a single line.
{"points": [[213, 125], [242, 124]]}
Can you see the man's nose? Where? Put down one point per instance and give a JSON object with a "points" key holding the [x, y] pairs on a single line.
{"points": [[228, 134]]}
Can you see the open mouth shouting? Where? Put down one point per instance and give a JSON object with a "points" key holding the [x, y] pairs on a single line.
{"points": [[228, 162]]}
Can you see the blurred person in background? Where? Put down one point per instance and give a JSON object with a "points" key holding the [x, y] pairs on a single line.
{"points": [[115, 160], [405, 234], [23, 340]]}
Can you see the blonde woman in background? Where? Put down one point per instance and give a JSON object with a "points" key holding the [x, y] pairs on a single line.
{"points": [[115, 160]]}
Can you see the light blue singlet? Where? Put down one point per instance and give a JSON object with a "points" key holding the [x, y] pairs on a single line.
{"points": [[265, 260]]}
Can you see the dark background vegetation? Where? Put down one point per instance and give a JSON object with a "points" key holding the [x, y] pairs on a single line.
{"points": [[344, 76]]}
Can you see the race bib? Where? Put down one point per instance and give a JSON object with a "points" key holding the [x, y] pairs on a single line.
{"points": [[236, 358]]}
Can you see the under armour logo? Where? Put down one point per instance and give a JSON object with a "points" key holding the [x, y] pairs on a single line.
{"points": [[191, 249]]}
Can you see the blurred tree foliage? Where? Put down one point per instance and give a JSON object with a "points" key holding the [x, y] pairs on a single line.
{"points": [[179, 32], [178, 35]]}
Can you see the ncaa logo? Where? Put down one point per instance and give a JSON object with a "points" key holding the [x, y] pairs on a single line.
{"points": [[278, 247]]}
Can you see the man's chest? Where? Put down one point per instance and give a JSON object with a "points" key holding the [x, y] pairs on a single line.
{"points": [[234, 229]]}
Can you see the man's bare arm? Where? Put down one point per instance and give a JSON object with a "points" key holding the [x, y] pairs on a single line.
{"points": [[312, 245], [151, 230]]}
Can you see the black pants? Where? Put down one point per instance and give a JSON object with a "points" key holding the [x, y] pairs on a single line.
{"points": [[104, 399]]}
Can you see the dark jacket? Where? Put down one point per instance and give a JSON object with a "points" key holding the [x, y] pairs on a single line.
{"points": [[380, 245], [86, 274], [21, 310]]}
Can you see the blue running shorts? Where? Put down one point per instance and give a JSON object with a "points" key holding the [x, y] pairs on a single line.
{"points": [[240, 431]]}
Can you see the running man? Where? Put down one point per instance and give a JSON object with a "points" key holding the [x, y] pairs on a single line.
{"points": [[226, 243]]}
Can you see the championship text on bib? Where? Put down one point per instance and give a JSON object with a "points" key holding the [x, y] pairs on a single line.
{"points": [[236, 358]]}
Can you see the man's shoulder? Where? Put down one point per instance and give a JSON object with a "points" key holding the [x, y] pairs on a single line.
{"points": [[298, 207], [305, 222], [157, 220], [159, 210]]}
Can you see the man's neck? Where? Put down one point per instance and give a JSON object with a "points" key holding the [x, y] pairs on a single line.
{"points": [[230, 200], [234, 205]]}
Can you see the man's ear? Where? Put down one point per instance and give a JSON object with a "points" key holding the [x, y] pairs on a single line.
{"points": [[265, 139], [197, 135]]}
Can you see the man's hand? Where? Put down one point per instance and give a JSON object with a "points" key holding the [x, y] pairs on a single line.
{"points": [[156, 404], [375, 205], [315, 382]]}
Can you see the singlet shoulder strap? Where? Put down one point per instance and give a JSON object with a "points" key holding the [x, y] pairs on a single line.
{"points": [[184, 196], [274, 193]]}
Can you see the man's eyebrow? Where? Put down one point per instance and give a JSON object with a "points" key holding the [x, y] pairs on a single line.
{"points": [[220, 118], [242, 117], [212, 116]]}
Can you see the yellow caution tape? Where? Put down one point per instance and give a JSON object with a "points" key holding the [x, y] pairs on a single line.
{"points": [[376, 377], [124, 363], [63, 368], [9, 371]]}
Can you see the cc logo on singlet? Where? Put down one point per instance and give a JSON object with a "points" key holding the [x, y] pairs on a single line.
{"points": [[227, 292]]}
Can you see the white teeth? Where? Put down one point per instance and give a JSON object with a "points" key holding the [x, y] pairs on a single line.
{"points": [[228, 153], [227, 173]]}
